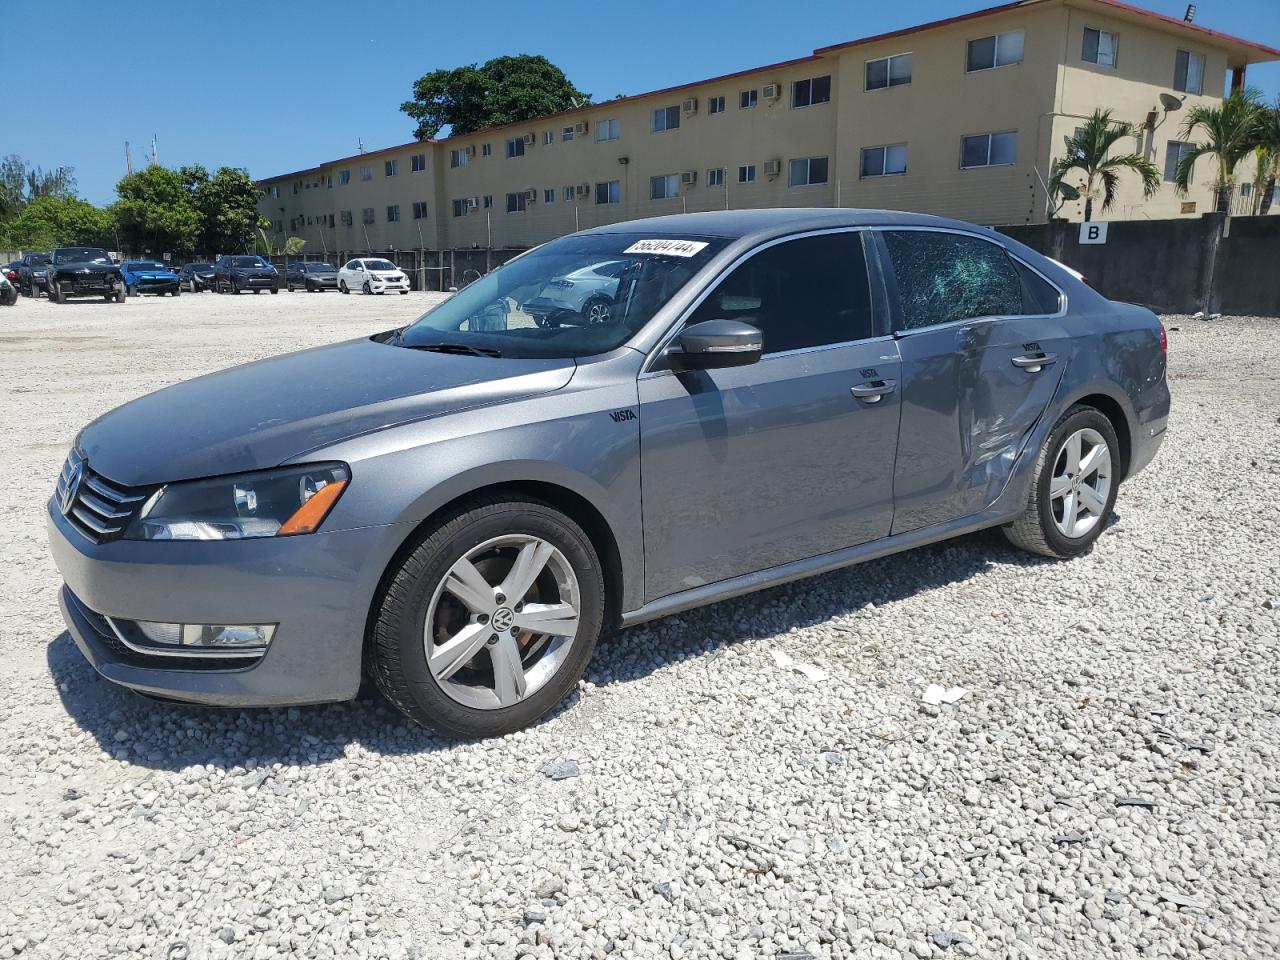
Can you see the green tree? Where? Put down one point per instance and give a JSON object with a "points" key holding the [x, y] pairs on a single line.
{"points": [[228, 205], [51, 221], [263, 246], [1267, 157], [1087, 155], [1230, 133], [503, 90], [156, 212], [20, 184]]}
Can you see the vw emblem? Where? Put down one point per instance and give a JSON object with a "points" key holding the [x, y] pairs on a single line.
{"points": [[503, 618], [68, 498]]}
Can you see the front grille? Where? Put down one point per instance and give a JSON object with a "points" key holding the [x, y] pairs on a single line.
{"points": [[133, 657], [97, 507]]}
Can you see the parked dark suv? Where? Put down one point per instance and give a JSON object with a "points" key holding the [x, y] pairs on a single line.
{"points": [[312, 277], [31, 273], [235, 272], [83, 272]]}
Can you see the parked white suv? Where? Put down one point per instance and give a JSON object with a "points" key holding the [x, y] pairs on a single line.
{"points": [[372, 275]]}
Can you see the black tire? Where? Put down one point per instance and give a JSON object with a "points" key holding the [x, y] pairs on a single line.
{"points": [[397, 654], [176, 291], [235, 288], [1036, 530], [342, 287], [274, 291], [55, 294], [366, 289], [289, 287], [597, 310], [404, 293], [119, 294], [130, 290]]}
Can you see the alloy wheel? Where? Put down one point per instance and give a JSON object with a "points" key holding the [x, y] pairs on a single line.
{"points": [[502, 621], [1080, 484], [599, 311]]}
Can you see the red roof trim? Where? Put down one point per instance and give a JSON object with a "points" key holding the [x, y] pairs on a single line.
{"points": [[931, 25], [1182, 24]]}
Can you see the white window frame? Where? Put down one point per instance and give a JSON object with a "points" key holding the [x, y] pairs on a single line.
{"points": [[667, 113], [393, 213], [515, 147], [990, 138], [607, 130], [548, 137], [884, 161], [995, 54], [418, 163], [521, 202], [460, 206], [568, 194], [749, 99], [715, 176], [808, 168], [366, 172], [669, 183], [391, 168], [368, 215], [419, 209], [888, 62], [548, 194], [610, 187], [746, 173], [715, 105], [486, 149], [1184, 147], [1186, 86], [795, 84], [1115, 46], [567, 134]]}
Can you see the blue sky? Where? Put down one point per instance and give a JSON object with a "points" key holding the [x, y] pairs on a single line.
{"points": [[246, 84]]}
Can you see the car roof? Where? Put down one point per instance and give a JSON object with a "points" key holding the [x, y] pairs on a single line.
{"points": [[740, 224]]}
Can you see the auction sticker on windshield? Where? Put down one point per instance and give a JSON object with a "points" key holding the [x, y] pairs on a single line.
{"points": [[668, 248]]}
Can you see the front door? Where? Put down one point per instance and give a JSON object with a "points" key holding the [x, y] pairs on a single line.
{"points": [[751, 467], [983, 350]]}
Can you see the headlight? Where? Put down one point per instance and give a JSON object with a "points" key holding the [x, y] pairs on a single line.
{"points": [[270, 503]]}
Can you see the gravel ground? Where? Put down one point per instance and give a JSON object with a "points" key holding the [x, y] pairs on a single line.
{"points": [[1108, 786]]}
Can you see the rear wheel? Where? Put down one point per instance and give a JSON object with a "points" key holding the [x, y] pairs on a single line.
{"points": [[491, 619], [1074, 488], [597, 310]]}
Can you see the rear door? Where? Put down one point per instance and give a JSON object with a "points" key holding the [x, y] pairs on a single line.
{"points": [[751, 467], [983, 347]]}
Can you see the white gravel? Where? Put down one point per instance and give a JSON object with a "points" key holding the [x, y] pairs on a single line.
{"points": [[1108, 786]]}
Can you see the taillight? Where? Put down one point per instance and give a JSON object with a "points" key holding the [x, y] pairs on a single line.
{"points": [[1164, 339]]}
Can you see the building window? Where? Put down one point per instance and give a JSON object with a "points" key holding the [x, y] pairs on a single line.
{"points": [[747, 173], [889, 71], [715, 177], [366, 173], [344, 177], [805, 93], [419, 162], [715, 104], [606, 130], [486, 149], [664, 186], [666, 118], [807, 171], [568, 194], [1174, 154], [567, 134], [549, 195], [458, 157], [390, 168], [609, 192], [884, 161], [419, 209], [274, 192], [393, 213], [346, 218], [1002, 50], [1099, 47], [989, 150], [748, 99], [548, 137], [460, 207], [516, 202], [366, 215], [488, 201], [1188, 72], [328, 182], [515, 148], [331, 221]]}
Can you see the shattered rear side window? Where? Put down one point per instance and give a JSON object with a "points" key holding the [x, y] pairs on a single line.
{"points": [[944, 277]]}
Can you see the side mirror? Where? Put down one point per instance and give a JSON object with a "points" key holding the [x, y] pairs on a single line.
{"points": [[713, 344]]}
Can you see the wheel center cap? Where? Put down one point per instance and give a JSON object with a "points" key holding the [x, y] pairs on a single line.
{"points": [[503, 618]]}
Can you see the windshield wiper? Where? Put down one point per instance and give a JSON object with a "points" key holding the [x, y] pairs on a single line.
{"points": [[464, 348]]}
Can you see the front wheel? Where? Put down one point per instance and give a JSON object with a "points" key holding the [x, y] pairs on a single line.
{"points": [[366, 289], [274, 290], [490, 621], [342, 287], [1073, 490], [55, 294], [119, 294], [597, 310]]}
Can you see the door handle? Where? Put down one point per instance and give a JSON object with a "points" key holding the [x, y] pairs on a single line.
{"points": [[1034, 363], [873, 390]]}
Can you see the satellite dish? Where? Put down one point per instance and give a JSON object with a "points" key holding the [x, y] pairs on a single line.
{"points": [[1068, 191], [1170, 102]]}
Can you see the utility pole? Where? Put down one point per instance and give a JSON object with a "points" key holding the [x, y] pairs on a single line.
{"points": [[155, 153]]}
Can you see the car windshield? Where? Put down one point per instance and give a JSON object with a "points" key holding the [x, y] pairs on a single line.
{"points": [[248, 262], [147, 265], [320, 268], [573, 297], [380, 265], [80, 255], [199, 266]]}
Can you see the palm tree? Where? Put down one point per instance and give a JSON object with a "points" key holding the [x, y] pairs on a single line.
{"points": [[1231, 132], [1267, 156], [1087, 152], [266, 248]]}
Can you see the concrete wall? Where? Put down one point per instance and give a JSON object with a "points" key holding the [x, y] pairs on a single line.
{"points": [[1174, 266]]}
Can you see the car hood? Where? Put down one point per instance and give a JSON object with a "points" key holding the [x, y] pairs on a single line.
{"points": [[84, 265], [261, 414]]}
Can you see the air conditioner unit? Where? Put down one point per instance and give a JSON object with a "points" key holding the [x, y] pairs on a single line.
{"points": [[583, 190], [580, 128], [473, 203], [529, 139], [771, 91], [689, 177], [690, 105], [531, 195], [470, 151], [772, 168]]}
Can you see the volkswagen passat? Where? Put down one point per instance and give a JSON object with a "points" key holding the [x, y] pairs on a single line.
{"points": [[460, 507]]}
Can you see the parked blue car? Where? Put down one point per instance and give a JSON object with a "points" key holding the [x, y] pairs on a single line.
{"points": [[150, 276]]}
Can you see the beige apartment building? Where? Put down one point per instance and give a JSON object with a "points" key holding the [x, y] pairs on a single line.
{"points": [[960, 117]]}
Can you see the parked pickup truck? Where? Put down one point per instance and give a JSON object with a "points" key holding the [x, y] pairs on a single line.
{"points": [[83, 272]]}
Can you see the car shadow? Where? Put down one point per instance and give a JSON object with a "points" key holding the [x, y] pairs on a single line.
{"points": [[164, 735]]}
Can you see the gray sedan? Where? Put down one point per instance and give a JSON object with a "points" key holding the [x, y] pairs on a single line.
{"points": [[461, 507]]}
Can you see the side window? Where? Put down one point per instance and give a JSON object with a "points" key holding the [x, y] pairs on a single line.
{"points": [[1038, 295], [944, 277], [801, 293]]}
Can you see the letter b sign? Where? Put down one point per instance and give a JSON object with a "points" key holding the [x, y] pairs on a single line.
{"points": [[1091, 232]]}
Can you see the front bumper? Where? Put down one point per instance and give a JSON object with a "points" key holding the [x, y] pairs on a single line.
{"points": [[144, 285], [88, 285], [318, 588], [382, 286], [258, 283]]}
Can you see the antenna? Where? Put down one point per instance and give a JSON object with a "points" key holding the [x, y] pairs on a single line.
{"points": [[1191, 13], [361, 142], [128, 158], [155, 154]]}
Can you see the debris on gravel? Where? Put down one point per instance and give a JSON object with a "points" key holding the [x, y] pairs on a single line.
{"points": [[722, 807]]}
